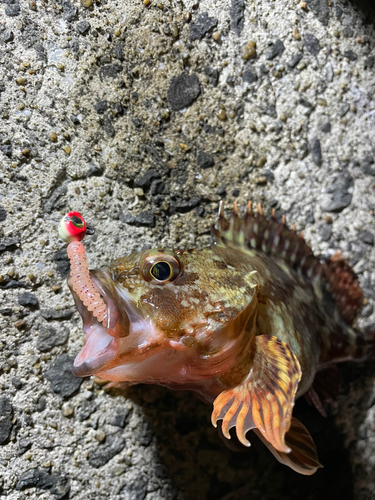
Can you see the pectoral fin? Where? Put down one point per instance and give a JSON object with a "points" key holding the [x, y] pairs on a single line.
{"points": [[303, 457], [265, 399]]}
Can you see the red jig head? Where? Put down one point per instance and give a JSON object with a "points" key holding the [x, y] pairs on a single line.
{"points": [[72, 230], [73, 227]]}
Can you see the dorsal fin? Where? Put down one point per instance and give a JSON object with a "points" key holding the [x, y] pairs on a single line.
{"points": [[344, 286], [256, 232], [268, 236]]}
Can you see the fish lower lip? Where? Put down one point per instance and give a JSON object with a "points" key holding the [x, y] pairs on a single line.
{"points": [[98, 351], [93, 364]]}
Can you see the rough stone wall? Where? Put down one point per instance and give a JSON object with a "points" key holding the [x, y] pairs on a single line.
{"points": [[142, 116]]}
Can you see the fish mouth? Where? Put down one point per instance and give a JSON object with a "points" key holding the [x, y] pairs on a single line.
{"points": [[102, 342]]}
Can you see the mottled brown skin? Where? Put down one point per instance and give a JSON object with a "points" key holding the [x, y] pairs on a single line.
{"points": [[246, 322], [209, 295], [298, 311]]}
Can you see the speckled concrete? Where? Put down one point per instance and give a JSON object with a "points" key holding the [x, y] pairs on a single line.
{"points": [[143, 117]]}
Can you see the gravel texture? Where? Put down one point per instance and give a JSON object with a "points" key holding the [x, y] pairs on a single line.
{"points": [[143, 117]]}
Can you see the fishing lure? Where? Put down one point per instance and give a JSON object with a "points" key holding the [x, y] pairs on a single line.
{"points": [[248, 324]]}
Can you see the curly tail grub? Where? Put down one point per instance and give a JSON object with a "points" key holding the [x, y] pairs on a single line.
{"points": [[82, 284]]}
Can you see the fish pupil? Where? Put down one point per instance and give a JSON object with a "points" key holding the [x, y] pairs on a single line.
{"points": [[161, 271], [76, 221]]}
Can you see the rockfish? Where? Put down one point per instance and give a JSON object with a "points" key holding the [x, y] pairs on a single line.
{"points": [[248, 324]]}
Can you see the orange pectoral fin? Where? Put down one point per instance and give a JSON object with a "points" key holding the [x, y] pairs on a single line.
{"points": [[303, 457], [265, 399]]}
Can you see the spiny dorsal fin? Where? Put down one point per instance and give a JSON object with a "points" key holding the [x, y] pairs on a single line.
{"points": [[274, 238], [266, 235]]}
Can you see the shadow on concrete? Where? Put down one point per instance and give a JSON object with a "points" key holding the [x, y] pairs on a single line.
{"points": [[202, 468], [367, 8]]}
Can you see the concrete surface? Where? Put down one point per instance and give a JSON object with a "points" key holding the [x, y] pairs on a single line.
{"points": [[143, 117]]}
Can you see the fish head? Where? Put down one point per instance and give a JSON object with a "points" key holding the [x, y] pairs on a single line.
{"points": [[173, 316]]}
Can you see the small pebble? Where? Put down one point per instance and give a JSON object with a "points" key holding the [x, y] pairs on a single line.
{"points": [[261, 180], [68, 410], [100, 436], [139, 191], [86, 3], [53, 136], [118, 470], [87, 395], [261, 162], [8, 37], [17, 383], [67, 149], [250, 51], [296, 34], [222, 115], [21, 80], [216, 36]]}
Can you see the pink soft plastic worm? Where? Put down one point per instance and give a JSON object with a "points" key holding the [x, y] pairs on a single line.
{"points": [[82, 284]]}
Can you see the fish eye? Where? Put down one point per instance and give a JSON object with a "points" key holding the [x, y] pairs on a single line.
{"points": [[76, 221], [160, 267], [161, 271]]}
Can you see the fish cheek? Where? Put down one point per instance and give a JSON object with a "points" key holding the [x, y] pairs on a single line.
{"points": [[165, 310]]}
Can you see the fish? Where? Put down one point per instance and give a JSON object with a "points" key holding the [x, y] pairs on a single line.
{"points": [[248, 324]]}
